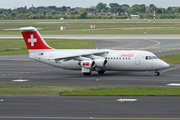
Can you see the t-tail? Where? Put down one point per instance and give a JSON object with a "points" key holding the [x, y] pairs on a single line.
{"points": [[33, 39]]}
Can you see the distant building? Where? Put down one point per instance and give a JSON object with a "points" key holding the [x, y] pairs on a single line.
{"points": [[110, 14], [46, 10], [121, 13], [3, 15], [92, 13], [99, 14], [93, 7], [135, 16], [78, 9]]}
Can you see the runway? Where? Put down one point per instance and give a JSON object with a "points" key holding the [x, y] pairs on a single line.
{"points": [[38, 107], [40, 73], [84, 108]]}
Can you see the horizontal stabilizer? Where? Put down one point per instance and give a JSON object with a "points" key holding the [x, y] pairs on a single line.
{"points": [[23, 29]]}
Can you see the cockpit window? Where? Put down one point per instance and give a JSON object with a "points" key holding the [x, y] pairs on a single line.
{"points": [[146, 57], [151, 57], [155, 57]]}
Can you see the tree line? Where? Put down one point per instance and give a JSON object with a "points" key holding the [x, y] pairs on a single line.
{"points": [[99, 12]]}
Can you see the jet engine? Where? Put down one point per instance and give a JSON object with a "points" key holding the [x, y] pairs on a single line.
{"points": [[87, 64], [100, 62]]}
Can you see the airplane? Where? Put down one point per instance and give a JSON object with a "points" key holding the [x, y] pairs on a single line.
{"points": [[88, 60]]}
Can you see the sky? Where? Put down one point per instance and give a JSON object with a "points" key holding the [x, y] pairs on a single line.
{"points": [[6, 4]]}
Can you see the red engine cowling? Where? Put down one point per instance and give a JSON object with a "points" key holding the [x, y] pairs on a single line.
{"points": [[87, 64]]}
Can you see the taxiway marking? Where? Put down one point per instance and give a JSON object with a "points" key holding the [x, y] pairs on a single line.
{"points": [[174, 84], [127, 100], [20, 80], [158, 43], [170, 69]]}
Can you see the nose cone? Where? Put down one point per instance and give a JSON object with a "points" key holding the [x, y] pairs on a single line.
{"points": [[165, 65]]}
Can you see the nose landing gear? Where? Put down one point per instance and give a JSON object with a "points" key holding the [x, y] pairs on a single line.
{"points": [[157, 73]]}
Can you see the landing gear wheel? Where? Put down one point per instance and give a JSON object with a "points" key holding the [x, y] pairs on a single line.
{"points": [[101, 72], [87, 74], [157, 73]]}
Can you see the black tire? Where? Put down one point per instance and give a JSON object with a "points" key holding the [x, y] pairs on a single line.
{"points": [[101, 72], [87, 74], [157, 73]]}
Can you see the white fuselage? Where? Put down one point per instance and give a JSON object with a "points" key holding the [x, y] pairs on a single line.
{"points": [[117, 60], [88, 60]]}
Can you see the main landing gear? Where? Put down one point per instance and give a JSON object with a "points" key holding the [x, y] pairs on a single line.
{"points": [[157, 73], [101, 72], [87, 74]]}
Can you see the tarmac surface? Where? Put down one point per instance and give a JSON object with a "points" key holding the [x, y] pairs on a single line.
{"points": [[104, 108], [39, 107], [36, 72]]}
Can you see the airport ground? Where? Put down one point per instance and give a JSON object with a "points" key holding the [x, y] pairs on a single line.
{"points": [[103, 26], [38, 107]]}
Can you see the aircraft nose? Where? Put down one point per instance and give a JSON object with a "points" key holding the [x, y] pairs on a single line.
{"points": [[165, 65]]}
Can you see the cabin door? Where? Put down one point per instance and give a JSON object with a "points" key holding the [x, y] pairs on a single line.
{"points": [[137, 59]]}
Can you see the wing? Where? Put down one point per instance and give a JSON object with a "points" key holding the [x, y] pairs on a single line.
{"points": [[81, 57]]}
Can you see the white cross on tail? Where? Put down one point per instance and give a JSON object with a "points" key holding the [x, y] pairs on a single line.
{"points": [[32, 40]]}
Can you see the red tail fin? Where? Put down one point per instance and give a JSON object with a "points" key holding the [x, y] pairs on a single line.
{"points": [[33, 39]]}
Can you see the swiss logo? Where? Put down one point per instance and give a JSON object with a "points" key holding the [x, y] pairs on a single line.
{"points": [[32, 40]]}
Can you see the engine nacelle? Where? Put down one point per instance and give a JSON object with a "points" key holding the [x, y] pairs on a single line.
{"points": [[100, 62], [87, 64]]}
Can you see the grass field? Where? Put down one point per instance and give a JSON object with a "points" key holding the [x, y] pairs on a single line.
{"points": [[51, 27], [174, 58], [64, 90], [125, 91], [38, 89], [17, 46]]}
